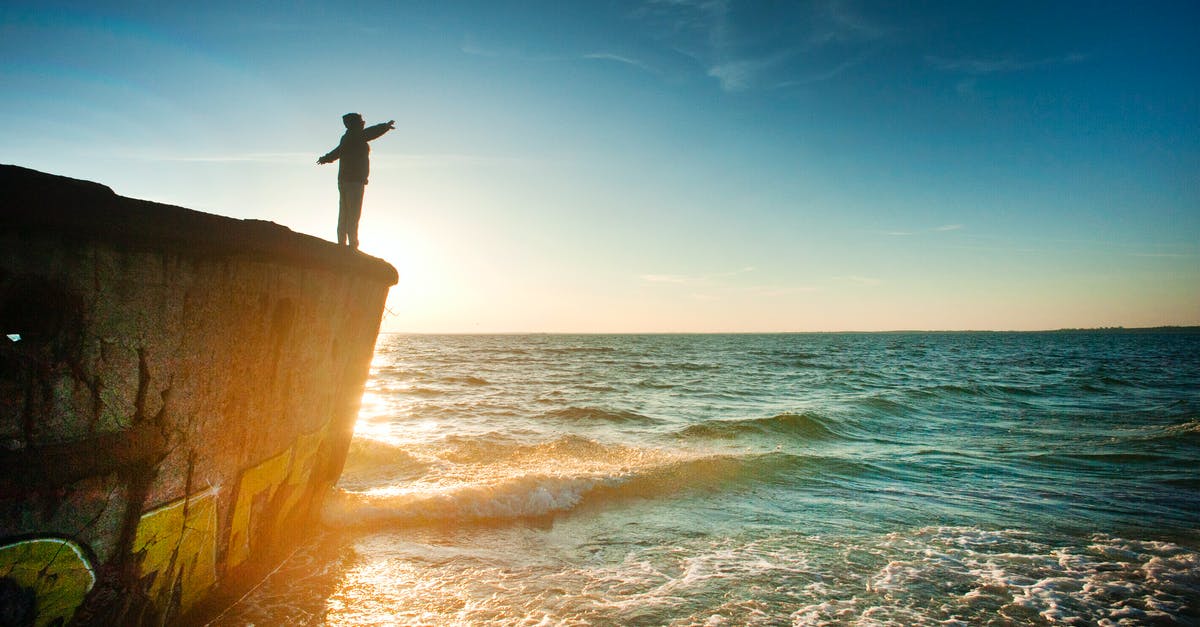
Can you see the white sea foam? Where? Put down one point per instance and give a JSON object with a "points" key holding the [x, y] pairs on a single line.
{"points": [[927, 576], [1017, 576]]}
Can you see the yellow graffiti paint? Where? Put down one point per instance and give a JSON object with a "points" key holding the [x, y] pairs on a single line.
{"points": [[177, 543], [55, 569], [258, 483], [304, 453]]}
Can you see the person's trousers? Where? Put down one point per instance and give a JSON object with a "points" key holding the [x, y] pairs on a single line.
{"points": [[350, 202]]}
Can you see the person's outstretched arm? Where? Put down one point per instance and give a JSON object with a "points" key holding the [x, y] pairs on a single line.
{"points": [[374, 132], [330, 156]]}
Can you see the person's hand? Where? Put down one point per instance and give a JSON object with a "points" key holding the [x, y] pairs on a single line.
{"points": [[391, 125], [321, 161]]}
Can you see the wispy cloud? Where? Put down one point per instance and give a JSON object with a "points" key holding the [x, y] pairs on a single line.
{"points": [[937, 229], [469, 46], [380, 160], [694, 279], [472, 47], [844, 25], [719, 286], [741, 293], [255, 157], [824, 75], [861, 280], [978, 66], [742, 74], [342, 24], [609, 56], [749, 46], [440, 160], [678, 279], [742, 47], [780, 290]]}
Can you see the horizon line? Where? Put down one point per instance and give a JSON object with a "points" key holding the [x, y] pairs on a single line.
{"points": [[1171, 327]]}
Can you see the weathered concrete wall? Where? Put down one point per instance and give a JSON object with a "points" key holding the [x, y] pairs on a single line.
{"points": [[179, 396]]}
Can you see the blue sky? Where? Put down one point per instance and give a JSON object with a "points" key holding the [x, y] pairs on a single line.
{"points": [[668, 165]]}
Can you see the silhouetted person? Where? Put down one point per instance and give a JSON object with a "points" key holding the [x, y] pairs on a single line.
{"points": [[352, 172]]}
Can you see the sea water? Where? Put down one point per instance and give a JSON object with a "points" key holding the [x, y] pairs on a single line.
{"points": [[793, 479]]}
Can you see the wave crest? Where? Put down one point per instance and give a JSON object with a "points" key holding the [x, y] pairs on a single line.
{"points": [[371, 462], [575, 414], [806, 425], [514, 495]]}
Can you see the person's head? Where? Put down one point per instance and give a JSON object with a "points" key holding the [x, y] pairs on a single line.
{"points": [[353, 121]]}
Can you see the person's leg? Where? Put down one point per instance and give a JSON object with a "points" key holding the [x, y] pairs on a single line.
{"points": [[354, 212], [343, 211]]}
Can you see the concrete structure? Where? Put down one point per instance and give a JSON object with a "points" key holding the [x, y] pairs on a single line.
{"points": [[177, 394]]}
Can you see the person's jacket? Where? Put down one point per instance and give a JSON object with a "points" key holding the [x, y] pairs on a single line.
{"points": [[353, 153]]}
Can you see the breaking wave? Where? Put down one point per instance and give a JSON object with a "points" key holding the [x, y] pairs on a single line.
{"points": [[574, 472], [373, 462]]}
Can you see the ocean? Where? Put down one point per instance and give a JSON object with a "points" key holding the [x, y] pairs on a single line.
{"points": [[789, 479]]}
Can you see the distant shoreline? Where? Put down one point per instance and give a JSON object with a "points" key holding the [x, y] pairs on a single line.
{"points": [[1173, 329]]}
